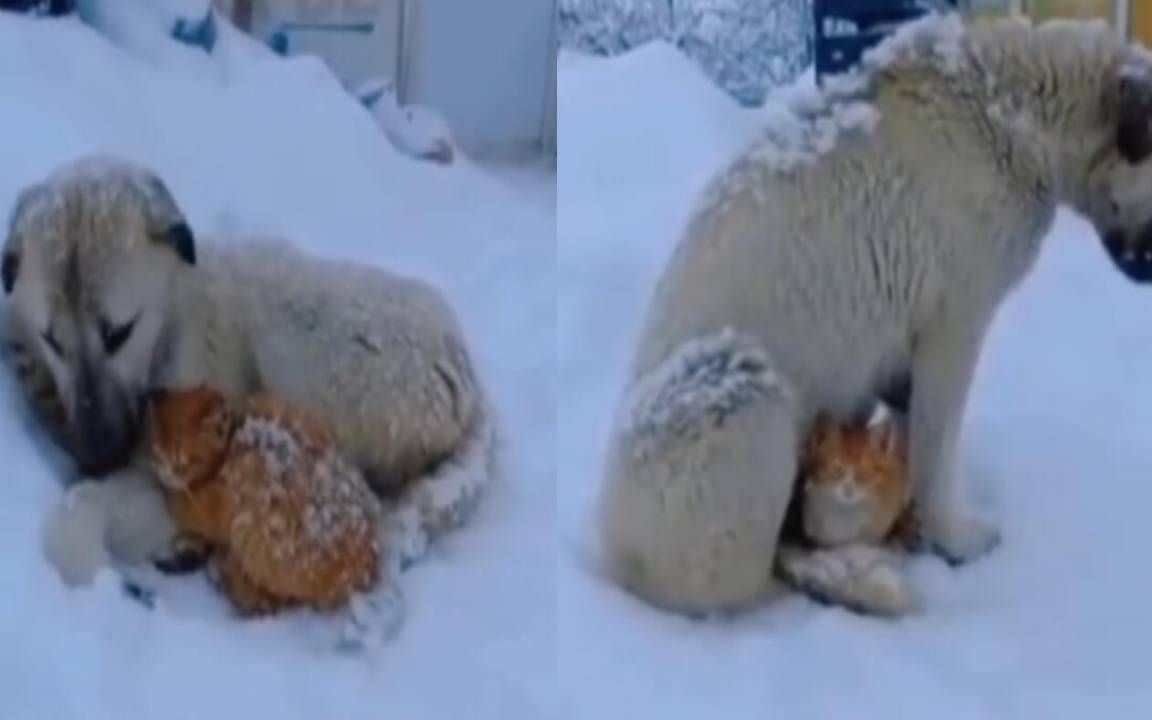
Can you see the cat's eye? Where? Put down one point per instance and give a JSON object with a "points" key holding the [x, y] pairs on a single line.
{"points": [[114, 336]]}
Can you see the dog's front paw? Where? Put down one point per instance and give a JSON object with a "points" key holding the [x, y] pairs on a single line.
{"points": [[960, 538], [73, 536]]}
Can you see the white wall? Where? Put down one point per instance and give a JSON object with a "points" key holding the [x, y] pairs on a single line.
{"points": [[353, 56], [356, 57], [489, 67], [550, 99]]}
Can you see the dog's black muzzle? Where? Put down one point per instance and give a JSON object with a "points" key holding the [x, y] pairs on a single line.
{"points": [[1132, 256], [100, 449], [105, 431]]}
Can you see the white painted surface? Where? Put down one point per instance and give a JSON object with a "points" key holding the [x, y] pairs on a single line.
{"points": [[486, 67], [358, 39], [550, 98]]}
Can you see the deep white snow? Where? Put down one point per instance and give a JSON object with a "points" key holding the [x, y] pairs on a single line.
{"points": [[248, 142], [1056, 623]]}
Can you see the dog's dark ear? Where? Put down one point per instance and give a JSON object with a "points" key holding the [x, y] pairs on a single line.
{"points": [[14, 244], [183, 242], [168, 223], [1134, 132], [9, 269]]}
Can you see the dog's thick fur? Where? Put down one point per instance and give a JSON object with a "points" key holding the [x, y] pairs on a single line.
{"points": [[816, 277], [110, 296]]}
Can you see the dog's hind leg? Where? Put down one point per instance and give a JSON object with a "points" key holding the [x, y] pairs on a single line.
{"points": [[383, 365], [700, 476], [444, 498]]}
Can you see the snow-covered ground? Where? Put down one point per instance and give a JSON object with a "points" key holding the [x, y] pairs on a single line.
{"points": [[1055, 624], [252, 143]]}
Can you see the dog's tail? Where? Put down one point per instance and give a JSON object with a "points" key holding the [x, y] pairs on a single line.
{"points": [[445, 499]]}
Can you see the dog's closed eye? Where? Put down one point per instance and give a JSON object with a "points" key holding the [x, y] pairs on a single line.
{"points": [[114, 336], [51, 341]]}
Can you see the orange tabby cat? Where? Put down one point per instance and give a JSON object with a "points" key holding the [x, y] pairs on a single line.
{"points": [[291, 523], [854, 484]]}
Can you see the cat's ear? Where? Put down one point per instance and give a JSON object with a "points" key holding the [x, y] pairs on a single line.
{"points": [[886, 436]]}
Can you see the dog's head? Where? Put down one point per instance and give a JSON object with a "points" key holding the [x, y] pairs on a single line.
{"points": [[1119, 188], [88, 265]]}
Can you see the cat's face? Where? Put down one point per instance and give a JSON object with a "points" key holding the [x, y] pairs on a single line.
{"points": [[190, 431], [854, 483], [853, 457]]}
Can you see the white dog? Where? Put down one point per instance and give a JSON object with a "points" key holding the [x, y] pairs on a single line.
{"points": [[109, 296], [862, 253]]}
